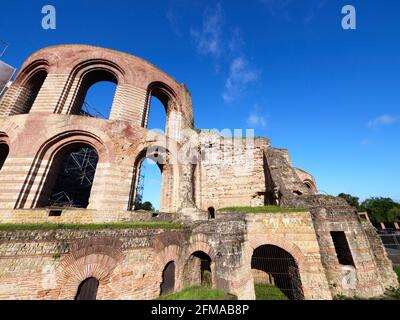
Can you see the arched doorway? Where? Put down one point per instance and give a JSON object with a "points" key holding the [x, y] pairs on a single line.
{"points": [[4, 150], [70, 178], [168, 279], [87, 290], [274, 266], [197, 271]]}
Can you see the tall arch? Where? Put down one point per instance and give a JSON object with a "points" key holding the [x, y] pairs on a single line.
{"points": [[89, 79], [70, 178], [31, 191], [165, 95], [161, 157], [30, 82], [82, 77]]}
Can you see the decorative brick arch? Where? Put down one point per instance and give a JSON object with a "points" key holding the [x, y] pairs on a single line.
{"points": [[167, 96], [95, 257], [45, 157], [291, 248], [171, 253], [200, 244], [26, 87], [82, 77]]}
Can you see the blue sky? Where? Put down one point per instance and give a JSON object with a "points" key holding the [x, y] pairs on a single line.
{"points": [[283, 67]]}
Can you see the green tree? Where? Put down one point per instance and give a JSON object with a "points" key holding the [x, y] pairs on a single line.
{"points": [[394, 215], [381, 209], [146, 206], [351, 200]]}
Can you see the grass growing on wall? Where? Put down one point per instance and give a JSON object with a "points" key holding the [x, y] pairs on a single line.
{"points": [[100, 226], [268, 292], [196, 293], [264, 209]]}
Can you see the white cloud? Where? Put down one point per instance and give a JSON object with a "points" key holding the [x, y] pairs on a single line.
{"points": [[383, 120], [240, 75], [256, 118], [208, 39]]}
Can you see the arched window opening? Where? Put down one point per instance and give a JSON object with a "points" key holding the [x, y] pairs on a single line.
{"points": [[87, 290], [211, 213], [30, 91], [159, 101], [4, 150], [96, 95], [308, 186], [197, 271], [273, 266], [70, 178], [168, 279], [147, 181], [157, 117]]}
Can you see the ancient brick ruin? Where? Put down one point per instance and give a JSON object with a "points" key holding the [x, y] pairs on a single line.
{"points": [[323, 247]]}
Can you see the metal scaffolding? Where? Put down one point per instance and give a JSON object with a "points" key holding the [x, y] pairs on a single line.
{"points": [[75, 179], [88, 110], [140, 184]]}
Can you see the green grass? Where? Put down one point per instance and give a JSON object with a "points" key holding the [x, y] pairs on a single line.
{"points": [[196, 293], [65, 226], [397, 270], [269, 292], [264, 209]]}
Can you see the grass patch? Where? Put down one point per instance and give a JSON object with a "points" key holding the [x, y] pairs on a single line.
{"points": [[269, 292], [100, 226], [397, 270], [196, 293], [264, 209]]}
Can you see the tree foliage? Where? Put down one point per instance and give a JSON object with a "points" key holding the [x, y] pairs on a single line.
{"points": [[146, 206], [382, 209], [351, 200], [379, 209]]}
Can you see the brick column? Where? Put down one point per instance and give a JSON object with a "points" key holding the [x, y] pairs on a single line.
{"points": [[129, 104], [50, 94]]}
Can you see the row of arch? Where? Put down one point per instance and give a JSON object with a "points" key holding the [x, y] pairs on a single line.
{"points": [[69, 162], [87, 76], [271, 265]]}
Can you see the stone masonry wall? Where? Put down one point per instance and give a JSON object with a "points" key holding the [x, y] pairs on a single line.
{"points": [[295, 233], [231, 172]]}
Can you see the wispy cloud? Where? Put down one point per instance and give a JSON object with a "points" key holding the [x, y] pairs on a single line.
{"points": [[256, 118], [172, 18], [240, 75], [208, 38], [283, 9], [383, 120], [278, 8]]}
